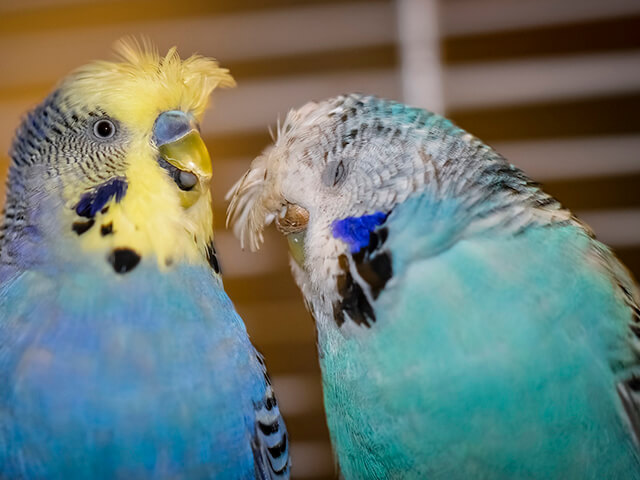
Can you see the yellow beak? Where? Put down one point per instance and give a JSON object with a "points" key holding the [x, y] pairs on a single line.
{"points": [[188, 154], [180, 145]]}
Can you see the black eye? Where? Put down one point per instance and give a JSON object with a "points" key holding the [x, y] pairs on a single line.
{"points": [[104, 128], [334, 173], [339, 173]]}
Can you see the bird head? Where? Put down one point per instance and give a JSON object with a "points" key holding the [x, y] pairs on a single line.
{"points": [[114, 160], [345, 157], [339, 169]]}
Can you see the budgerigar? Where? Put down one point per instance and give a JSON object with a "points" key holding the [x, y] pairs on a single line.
{"points": [[121, 356], [468, 325]]}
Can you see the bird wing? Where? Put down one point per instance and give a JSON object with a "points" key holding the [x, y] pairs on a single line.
{"points": [[270, 441]]}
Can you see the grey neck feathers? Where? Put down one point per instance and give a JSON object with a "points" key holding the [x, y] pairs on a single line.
{"points": [[492, 193], [415, 151], [53, 150], [33, 186], [30, 214]]}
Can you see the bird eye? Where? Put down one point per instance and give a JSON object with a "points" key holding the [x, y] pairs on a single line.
{"points": [[334, 173], [104, 128], [339, 173]]}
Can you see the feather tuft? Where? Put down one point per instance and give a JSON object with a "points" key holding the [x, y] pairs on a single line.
{"points": [[252, 200], [141, 83]]}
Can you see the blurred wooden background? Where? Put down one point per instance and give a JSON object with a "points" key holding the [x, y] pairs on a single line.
{"points": [[553, 85]]}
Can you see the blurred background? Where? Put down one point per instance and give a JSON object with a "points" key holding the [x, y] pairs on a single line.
{"points": [[553, 85]]}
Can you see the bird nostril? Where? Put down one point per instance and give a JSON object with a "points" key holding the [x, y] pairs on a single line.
{"points": [[171, 126]]}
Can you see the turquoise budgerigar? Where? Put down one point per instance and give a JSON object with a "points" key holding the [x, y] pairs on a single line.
{"points": [[121, 356], [468, 325]]}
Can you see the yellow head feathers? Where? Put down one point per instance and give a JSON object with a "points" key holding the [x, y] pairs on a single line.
{"points": [[151, 98], [143, 83]]}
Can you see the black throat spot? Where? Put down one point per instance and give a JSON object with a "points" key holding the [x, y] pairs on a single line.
{"points": [[212, 258], [376, 271], [106, 229], [374, 266], [81, 227], [354, 303], [123, 260]]}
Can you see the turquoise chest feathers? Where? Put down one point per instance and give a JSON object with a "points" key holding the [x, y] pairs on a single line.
{"points": [[494, 358], [144, 374]]}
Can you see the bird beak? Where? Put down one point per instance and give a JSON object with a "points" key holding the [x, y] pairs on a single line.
{"points": [[177, 137]]}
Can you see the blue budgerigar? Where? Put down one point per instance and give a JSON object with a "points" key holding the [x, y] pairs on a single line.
{"points": [[468, 325], [121, 356]]}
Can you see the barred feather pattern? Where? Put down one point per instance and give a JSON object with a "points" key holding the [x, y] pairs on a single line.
{"points": [[271, 441], [421, 150], [52, 142]]}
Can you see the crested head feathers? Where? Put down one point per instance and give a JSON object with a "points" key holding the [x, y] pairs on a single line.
{"points": [[142, 83]]}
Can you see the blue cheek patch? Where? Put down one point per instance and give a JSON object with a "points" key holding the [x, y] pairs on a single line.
{"points": [[92, 202], [355, 231]]}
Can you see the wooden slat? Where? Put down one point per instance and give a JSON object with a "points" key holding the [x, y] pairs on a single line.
{"points": [[307, 427], [240, 144], [53, 17], [235, 262], [313, 475], [525, 81], [594, 36], [574, 157], [597, 193], [333, 60], [257, 104], [630, 256], [220, 216], [275, 323], [43, 57], [597, 116], [276, 286], [29, 92], [617, 228], [298, 394], [464, 17], [312, 460], [349, 59], [287, 359], [419, 44], [372, 72]]}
